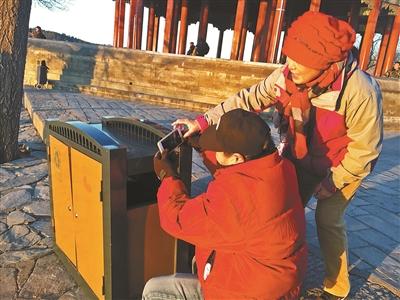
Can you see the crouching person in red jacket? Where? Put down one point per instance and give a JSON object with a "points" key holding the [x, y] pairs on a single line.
{"points": [[248, 226]]}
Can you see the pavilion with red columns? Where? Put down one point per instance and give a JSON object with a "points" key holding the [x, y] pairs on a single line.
{"points": [[267, 19]]}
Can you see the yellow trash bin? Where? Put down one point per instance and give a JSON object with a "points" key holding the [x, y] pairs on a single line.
{"points": [[104, 206]]}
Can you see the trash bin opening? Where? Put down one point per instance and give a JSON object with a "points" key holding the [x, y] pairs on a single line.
{"points": [[141, 189]]}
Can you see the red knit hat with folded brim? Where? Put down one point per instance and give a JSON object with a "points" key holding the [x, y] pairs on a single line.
{"points": [[316, 40]]}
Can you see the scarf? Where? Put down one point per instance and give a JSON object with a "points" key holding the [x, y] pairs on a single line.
{"points": [[295, 105]]}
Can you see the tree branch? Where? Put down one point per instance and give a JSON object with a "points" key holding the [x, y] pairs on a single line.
{"points": [[54, 4]]}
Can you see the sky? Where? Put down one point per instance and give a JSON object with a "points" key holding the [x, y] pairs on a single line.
{"points": [[93, 21], [89, 20]]}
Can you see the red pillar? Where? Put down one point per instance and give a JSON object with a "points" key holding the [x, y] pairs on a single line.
{"points": [[203, 21], [174, 34], [169, 15], [121, 23], [315, 5], [183, 28], [369, 33], [354, 14], [383, 46], [276, 30], [261, 32], [393, 40], [150, 26], [270, 15], [139, 24], [243, 36], [131, 30], [155, 34], [239, 22], [116, 18]]}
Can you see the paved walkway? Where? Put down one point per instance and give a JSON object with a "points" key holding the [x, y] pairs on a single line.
{"points": [[30, 269]]}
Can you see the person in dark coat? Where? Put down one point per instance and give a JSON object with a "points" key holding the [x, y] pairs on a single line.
{"points": [[191, 50], [202, 48], [38, 33], [42, 71]]}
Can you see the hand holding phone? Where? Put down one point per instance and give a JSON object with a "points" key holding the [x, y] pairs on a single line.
{"points": [[191, 126], [170, 141]]}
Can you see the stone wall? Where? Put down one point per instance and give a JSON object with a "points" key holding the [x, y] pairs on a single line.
{"points": [[130, 74], [186, 81]]}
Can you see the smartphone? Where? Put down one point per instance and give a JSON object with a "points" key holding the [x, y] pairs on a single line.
{"points": [[171, 140]]}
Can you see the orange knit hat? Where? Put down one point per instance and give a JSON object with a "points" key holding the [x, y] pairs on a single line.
{"points": [[316, 40]]}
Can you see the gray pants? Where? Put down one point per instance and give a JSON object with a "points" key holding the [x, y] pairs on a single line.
{"points": [[180, 286]]}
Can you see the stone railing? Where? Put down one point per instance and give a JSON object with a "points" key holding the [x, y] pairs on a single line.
{"points": [[179, 80]]}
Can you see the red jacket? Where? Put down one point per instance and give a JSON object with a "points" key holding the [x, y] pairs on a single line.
{"points": [[252, 216]]}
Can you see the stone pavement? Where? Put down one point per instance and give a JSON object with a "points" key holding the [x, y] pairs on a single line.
{"points": [[29, 269]]}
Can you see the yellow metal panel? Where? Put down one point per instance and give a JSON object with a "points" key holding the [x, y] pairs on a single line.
{"points": [[151, 251], [62, 198], [88, 213]]}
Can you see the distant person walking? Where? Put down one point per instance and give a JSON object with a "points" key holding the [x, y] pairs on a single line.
{"points": [[38, 33], [42, 70], [191, 50], [201, 49]]}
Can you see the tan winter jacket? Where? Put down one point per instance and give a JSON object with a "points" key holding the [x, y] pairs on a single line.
{"points": [[359, 117]]}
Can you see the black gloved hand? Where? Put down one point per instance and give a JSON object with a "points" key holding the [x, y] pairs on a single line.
{"points": [[193, 142], [163, 166]]}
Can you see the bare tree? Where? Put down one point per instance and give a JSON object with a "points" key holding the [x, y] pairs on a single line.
{"points": [[14, 24], [373, 55]]}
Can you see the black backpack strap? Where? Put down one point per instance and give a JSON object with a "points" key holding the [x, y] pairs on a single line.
{"points": [[347, 75], [311, 124]]}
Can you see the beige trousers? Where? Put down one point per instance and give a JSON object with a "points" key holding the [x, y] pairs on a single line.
{"points": [[331, 229]]}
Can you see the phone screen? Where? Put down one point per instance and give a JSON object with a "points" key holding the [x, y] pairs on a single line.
{"points": [[172, 140]]}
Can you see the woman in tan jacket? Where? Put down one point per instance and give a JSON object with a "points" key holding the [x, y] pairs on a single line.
{"points": [[329, 116]]}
